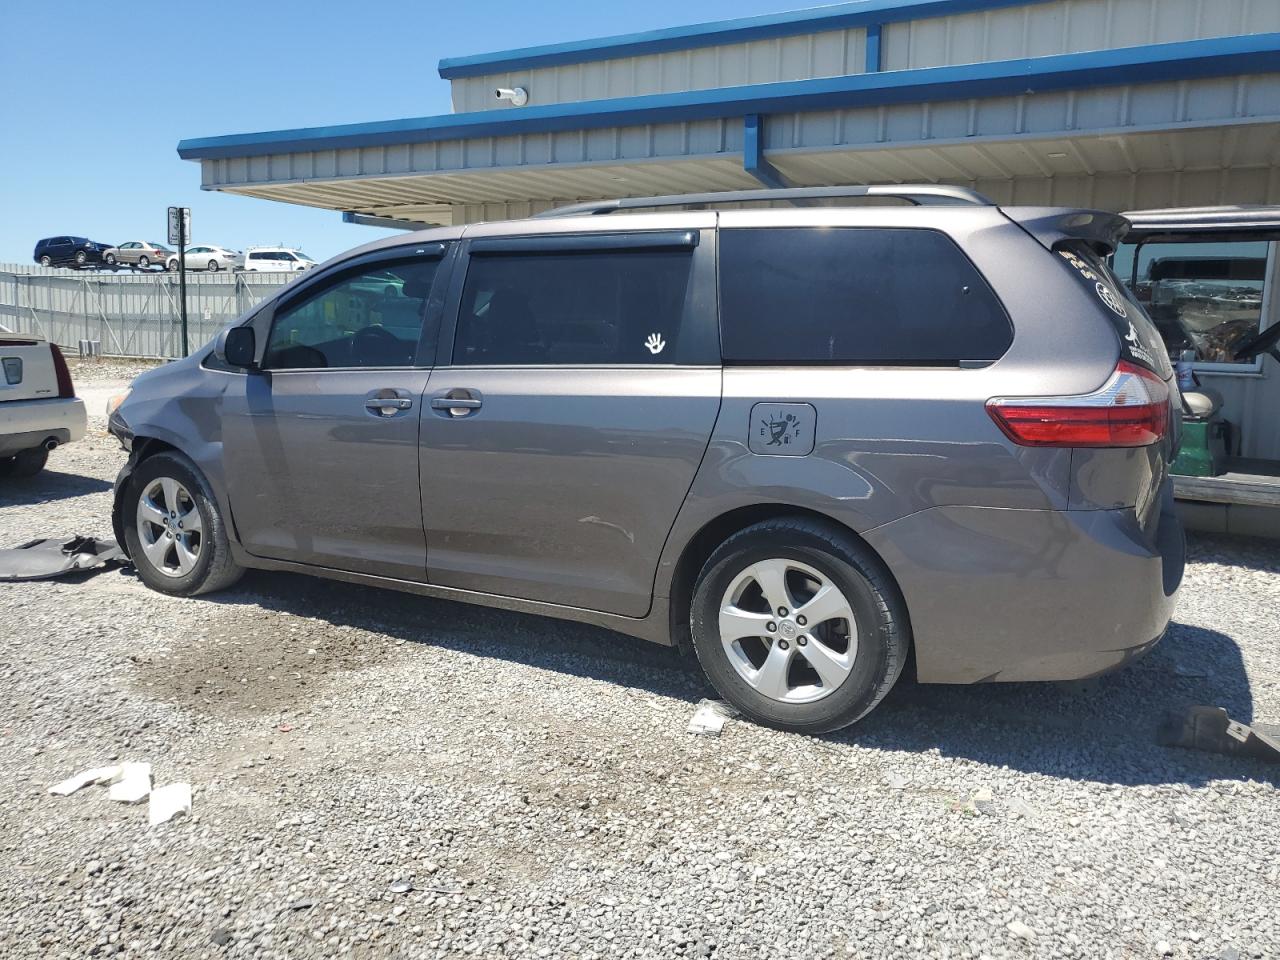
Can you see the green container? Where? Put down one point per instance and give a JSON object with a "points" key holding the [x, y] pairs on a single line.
{"points": [[1202, 450]]}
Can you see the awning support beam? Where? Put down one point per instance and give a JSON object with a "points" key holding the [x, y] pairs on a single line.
{"points": [[391, 223], [753, 158]]}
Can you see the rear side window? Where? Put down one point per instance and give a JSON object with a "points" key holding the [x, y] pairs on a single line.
{"points": [[855, 295], [574, 308]]}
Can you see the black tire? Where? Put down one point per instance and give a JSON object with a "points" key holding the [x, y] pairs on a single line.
{"points": [[46, 261], [883, 630], [172, 266], [144, 263], [215, 569], [81, 258], [25, 464], [109, 259], [212, 266]]}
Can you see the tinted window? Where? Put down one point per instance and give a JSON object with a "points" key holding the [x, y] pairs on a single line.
{"points": [[854, 295], [370, 317], [594, 307]]}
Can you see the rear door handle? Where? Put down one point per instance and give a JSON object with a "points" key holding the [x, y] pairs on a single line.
{"points": [[449, 403], [459, 402]]}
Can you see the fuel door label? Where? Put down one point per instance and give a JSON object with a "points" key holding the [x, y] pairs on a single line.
{"points": [[782, 429]]}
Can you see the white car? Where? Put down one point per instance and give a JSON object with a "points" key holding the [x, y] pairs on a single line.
{"points": [[276, 259], [207, 257], [39, 409]]}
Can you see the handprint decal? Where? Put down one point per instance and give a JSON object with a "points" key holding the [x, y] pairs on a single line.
{"points": [[655, 343]]}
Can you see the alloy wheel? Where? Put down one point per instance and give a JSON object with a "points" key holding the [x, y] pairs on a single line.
{"points": [[788, 631], [169, 527]]}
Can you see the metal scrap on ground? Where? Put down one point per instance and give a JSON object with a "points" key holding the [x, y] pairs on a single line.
{"points": [[46, 559]]}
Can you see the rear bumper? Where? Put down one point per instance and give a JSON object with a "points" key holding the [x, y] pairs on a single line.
{"points": [[1010, 595], [27, 424]]}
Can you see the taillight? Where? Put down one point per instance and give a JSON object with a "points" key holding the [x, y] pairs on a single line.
{"points": [[65, 387], [1129, 410]]}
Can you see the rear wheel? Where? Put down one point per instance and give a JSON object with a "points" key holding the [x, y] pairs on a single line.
{"points": [[799, 625], [25, 464], [144, 262], [174, 530]]}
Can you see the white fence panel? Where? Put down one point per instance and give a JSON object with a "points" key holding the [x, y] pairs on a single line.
{"points": [[133, 315]]}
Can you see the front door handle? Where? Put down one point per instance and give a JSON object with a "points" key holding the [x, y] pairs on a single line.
{"points": [[387, 402]]}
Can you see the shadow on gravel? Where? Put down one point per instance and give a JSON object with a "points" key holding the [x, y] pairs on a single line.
{"points": [[1100, 731], [46, 486], [575, 649]]}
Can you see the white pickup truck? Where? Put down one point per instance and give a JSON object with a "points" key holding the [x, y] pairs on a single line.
{"points": [[38, 405]]}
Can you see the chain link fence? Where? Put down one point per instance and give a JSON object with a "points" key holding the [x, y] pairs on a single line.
{"points": [[131, 315]]}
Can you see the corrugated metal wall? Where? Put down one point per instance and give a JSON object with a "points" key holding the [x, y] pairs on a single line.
{"points": [[1034, 30], [831, 53], [1068, 26], [135, 315]]}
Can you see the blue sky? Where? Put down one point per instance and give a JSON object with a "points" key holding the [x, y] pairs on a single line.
{"points": [[94, 98]]}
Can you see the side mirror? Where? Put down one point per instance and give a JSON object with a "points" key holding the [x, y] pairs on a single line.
{"points": [[238, 347]]}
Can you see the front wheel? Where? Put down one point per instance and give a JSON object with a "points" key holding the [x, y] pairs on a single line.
{"points": [[110, 259], [81, 258], [799, 625], [174, 530], [25, 464], [212, 266], [46, 261], [173, 266]]}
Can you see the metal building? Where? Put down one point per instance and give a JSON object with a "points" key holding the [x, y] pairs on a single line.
{"points": [[1117, 104]]}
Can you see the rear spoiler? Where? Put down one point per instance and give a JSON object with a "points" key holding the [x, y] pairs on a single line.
{"points": [[1052, 225]]}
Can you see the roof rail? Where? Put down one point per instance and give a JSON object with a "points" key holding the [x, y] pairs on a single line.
{"points": [[919, 194]]}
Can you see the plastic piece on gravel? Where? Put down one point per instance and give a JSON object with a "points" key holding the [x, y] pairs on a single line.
{"points": [[84, 779], [169, 801], [46, 559], [404, 885], [708, 720], [133, 784], [1211, 729]]}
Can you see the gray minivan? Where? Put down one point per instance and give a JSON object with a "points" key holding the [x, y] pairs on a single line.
{"points": [[810, 440]]}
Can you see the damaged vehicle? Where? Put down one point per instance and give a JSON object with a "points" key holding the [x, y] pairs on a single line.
{"points": [[809, 443]]}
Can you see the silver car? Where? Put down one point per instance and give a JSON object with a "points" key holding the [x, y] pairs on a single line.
{"points": [[210, 258], [137, 253], [806, 443]]}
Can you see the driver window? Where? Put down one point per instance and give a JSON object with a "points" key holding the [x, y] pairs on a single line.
{"points": [[370, 317], [1204, 297]]}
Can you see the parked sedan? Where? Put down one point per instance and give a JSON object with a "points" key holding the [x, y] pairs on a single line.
{"points": [[62, 251], [208, 258], [137, 253]]}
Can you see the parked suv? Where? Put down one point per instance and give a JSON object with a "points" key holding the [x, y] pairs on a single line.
{"points": [[806, 442], [68, 251]]}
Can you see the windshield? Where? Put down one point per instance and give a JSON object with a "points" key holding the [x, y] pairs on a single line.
{"points": [[1204, 297]]}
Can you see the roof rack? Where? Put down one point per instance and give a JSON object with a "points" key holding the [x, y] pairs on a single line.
{"points": [[920, 194]]}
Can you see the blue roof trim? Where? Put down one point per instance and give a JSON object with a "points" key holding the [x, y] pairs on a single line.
{"points": [[1189, 59], [840, 16]]}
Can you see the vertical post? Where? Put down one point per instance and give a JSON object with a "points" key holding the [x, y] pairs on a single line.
{"points": [[182, 275]]}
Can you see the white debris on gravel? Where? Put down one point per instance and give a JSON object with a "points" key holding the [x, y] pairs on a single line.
{"points": [[709, 717], [131, 784], [536, 780], [167, 802], [84, 779]]}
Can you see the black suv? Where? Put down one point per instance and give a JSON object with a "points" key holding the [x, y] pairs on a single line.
{"points": [[77, 251]]}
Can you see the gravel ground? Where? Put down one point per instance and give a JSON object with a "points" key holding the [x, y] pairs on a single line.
{"points": [[533, 781]]}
